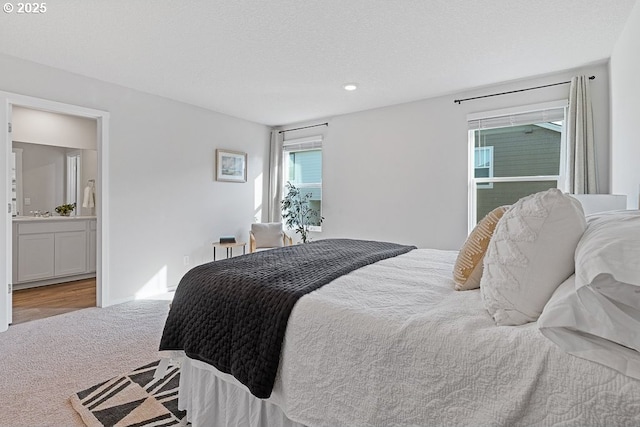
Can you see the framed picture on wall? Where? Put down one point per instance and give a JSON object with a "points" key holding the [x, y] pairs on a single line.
{"points": [[231, 166]]}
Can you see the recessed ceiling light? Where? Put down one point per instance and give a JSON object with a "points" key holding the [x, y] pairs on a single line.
{"points": [[350, 86]]}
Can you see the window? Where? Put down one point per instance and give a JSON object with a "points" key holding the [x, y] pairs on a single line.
{"points": [[514, 153], [302, 166], [483, 165]]}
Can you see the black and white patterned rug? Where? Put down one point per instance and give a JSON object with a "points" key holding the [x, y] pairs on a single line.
{"points": [[134, 399]]}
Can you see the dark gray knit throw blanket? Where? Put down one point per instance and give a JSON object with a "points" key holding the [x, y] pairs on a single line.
{"points": [[233, 313]]}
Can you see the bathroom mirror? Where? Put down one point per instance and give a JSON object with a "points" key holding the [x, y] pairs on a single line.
{"points": [[59, 160], [49, 176]]}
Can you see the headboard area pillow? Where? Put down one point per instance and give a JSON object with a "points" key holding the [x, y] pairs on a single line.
{"points": [[608, 275], [597, 315], [530, 254], [468, 268], [610, 247]]}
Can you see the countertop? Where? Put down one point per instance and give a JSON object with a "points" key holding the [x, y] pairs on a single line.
{"points": [[51, 218]]}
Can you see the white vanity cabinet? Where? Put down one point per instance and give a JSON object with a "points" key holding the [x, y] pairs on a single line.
{"points": [[35, 256], [51, 250], [70, 253]]}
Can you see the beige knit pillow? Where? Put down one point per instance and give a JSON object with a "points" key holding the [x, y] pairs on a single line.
{"points": [[467, 271]]}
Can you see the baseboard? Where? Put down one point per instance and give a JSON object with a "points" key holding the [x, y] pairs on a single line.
{"points": [[160, 296], [111, 302], [57, 280]]}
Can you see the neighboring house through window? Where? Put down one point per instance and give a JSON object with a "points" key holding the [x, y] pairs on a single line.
{"points": [[514, 153], [483, 164], [302, 166]]}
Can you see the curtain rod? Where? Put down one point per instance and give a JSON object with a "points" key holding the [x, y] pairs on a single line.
{"points": [[306, 127], [459, 101]]}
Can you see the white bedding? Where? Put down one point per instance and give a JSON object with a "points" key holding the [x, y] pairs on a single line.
{"points": [[393, 344]]}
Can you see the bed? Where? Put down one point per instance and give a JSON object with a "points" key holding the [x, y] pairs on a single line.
{"points": [[392, 343]]}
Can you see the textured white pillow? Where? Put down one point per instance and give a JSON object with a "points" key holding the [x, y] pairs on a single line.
{"points": [[268, 235], [530, 254]]}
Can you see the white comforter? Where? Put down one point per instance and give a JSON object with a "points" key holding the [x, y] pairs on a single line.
{"points": [[393, 344]]}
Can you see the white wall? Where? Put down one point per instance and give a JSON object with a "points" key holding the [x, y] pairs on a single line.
{"points": [[164, 202], [400, 173], [625, 111], [45, 128], [397, 173]]}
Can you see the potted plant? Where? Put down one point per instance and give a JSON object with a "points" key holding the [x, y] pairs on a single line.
{"points": [[296, 212], [66, 209]]}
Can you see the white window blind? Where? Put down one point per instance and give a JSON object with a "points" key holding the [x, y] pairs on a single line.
{"points": [[517, 116], [302, 144], [517, 119]]}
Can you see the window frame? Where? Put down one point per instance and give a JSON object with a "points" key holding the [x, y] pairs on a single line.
{"points": [[309, 143], [514, 111]]}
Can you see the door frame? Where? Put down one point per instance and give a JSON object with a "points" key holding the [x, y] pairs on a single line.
{"points": [[7, 101]]}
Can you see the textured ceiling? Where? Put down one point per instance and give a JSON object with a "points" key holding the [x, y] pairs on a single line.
{"points": [[285, 61]]}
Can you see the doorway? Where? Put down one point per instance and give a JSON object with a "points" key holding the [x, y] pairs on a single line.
{"points": [[7, 102], [55, 164]]}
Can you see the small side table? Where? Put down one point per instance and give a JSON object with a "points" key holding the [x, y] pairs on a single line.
{"points": [[229, 247]]}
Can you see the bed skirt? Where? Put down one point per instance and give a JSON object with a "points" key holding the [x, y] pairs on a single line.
{"points": [[212, 398]]}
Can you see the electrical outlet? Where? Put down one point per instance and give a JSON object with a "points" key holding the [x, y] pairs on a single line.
{"points": [[27, 201], [186, 260]]}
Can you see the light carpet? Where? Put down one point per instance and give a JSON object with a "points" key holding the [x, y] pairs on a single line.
{"points": [[45, 361]]}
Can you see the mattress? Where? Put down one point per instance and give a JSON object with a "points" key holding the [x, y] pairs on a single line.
{"points": [[393, 344]]}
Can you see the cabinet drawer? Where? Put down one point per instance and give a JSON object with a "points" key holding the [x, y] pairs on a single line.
{"points": [[53, 226]]}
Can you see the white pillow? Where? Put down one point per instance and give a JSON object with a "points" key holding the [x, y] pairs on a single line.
{"points": [[530, 254], [608, 274], [610, 246], [597, 315], [268, 235]]}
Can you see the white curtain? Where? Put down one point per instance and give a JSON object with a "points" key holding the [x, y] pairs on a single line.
{"points": [[274, 213], [581, 158]]}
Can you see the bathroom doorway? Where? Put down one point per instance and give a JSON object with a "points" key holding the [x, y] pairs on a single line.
{"points": [[101, 118], [54, 255]]}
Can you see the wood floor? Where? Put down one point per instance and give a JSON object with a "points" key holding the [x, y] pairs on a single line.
{"points": [[45, 301]]}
